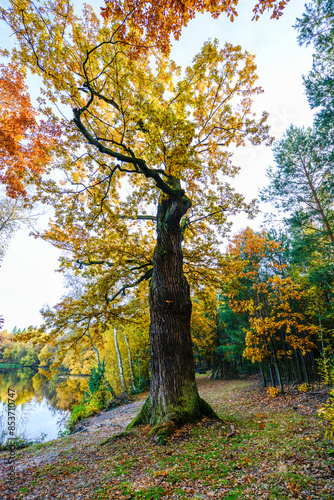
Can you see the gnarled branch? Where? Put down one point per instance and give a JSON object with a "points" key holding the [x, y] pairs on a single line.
{"points": [[144, 277]]}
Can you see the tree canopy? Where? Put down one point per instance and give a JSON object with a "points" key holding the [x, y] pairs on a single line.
{"points": [[301, 182], [143, 124], [154, 23], [316, 28]]}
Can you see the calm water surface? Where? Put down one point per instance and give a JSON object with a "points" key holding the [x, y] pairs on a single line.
{"points": [[42, 405]]}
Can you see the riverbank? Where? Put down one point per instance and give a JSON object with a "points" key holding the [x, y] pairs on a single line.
{"points": [[265, 448]]}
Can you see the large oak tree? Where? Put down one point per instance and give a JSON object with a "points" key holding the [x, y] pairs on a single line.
{"points": [[147, 148]]}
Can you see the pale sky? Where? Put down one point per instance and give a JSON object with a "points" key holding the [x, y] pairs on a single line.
{"points": [[27, 275]]}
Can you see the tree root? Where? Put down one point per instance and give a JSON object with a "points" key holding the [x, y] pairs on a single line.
{"points": [[164, 424]]}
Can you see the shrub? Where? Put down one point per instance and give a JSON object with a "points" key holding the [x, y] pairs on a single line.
{"points": [[304, 387], [326, 370], [273, 391], [98, 396], [327, 414]]}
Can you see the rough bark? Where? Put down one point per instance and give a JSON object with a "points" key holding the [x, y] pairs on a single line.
{"points": [[173, 398]]}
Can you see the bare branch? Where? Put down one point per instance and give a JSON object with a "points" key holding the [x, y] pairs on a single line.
{"points": [[93, 262], [205, 216], [138, 217], [145, 276], [105, 99]]}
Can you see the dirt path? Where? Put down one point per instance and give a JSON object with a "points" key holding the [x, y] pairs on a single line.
{"points": [[112, 420]]}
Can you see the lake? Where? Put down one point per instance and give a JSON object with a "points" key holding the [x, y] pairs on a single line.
{"points": [[42, 405]]}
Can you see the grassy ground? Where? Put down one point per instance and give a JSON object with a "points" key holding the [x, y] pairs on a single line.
{"points": [[264, 449]]}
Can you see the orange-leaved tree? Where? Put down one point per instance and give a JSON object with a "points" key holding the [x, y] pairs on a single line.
{"points": [[154, 22], [204, 320], [25, 142], [257, 282]]}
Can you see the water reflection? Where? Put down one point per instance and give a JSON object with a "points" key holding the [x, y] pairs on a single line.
{"points": [[42, 404]]}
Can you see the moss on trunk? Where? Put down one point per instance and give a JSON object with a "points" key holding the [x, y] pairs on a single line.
{"points": [[165, 420]]}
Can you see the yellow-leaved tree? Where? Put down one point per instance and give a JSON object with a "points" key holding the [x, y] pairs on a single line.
{"points": [[204, 321]]}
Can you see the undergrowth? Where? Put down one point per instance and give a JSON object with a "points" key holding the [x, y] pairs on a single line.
{"points": [[326, 413], [98, 396]]}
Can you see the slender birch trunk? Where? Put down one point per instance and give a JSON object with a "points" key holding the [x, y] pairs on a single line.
{"points": [[119, 359], [138, 362], [130, 362]]}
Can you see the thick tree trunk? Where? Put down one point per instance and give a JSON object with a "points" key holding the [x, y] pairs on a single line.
{"points": [[271, 374], [173, 398]]}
